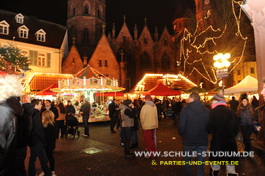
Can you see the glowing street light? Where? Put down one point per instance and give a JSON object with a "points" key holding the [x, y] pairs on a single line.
{"points": [[221, 64]]}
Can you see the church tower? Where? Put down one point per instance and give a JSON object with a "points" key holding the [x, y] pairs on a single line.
{"points": [[84, 21], [204, 8]]}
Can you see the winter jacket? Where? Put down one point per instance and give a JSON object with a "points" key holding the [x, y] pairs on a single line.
{"points": [[193, 122], [85, 108], [112, 109], [54, 110], [24, 126], [37, 134], [50, 136], [224, 128], [245, 117], [148, 116], [127, 116], [10, 110]]}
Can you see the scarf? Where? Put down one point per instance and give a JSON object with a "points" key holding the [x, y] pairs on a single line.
{"points": [[223, 103]]}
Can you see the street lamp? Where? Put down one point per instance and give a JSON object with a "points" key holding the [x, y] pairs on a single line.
{"points": [[221, 64]]}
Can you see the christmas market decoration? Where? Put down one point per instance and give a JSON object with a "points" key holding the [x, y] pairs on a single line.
{"points": [[12, 60], [199, 45]]}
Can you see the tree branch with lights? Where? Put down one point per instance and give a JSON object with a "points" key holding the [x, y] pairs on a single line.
{"points": [[12, 60], [230, 33]]}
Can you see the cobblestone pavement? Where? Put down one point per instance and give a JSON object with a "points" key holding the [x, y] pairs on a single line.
{"points": [[70, 160]]}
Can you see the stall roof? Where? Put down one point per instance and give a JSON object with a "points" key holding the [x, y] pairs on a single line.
{"points": [[248, 84], [149, 81], [48, 91], [40, 81], [162, 90]]}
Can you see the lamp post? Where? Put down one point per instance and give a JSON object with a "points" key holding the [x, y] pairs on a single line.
{"points": [[221, 64]]}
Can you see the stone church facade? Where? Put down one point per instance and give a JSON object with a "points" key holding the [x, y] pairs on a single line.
{"points": [[130, 56]]}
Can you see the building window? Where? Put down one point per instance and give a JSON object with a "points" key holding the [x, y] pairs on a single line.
{"points": [[39, 59], [252, 70], [239, 81], [165, 41], [86, 10], [19, 18], [41, 35], [4, 28], [73, 11], [23, 32], [145, 40], [100, 63], [106, 63], [238, 72], [85, 36], [99, 14], [124, 38]]}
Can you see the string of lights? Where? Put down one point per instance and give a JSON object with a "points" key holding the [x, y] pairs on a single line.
{"points": [[190, 45]]}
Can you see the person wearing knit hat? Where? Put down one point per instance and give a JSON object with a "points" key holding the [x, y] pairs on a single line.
{"points": [[149, 122], [246, 115], [127, 118], [224, 127]]}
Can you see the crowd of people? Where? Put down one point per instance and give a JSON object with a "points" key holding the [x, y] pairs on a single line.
{"points": [[39, 123]]}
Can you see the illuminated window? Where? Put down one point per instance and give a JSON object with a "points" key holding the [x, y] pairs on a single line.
{"points": [[23, 32], [41, 35], [4, 28], [238, 72], [19, 18]]}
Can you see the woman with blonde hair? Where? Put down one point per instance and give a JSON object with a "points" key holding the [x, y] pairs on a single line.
{"points": [[50, 132], [246, 115]]}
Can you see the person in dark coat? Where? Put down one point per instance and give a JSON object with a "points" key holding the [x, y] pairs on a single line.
{"points": [[192, 128], [50, 133], [24, 127], [85, 112], [10, 110], [112, 115], [70, 118], [233, 104], [224, 128], [37, 142], [246, 116], [135, 128], [50, 106]]}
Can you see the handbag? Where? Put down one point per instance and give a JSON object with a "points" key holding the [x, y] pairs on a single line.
{"points": [[256, 127]]}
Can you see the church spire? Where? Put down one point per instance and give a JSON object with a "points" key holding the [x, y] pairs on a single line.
{"points": [[113, 31], [145, 21], [135, 32], [124, 19], [156, 34]]}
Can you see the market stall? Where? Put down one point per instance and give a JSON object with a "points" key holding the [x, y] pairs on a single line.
{"points": [[81, 87], [248, 85]]}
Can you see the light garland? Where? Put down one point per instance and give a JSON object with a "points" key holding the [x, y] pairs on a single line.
{"points": [[200, 49]]}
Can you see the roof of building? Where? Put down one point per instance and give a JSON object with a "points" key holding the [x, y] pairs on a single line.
{"points": [[55, 33]]}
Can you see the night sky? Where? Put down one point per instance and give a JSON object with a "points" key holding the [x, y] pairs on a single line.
{"points": [[158, 12]]}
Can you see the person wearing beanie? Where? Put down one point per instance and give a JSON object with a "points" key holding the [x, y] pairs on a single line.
{"points": [[127, 118], [192, 127], [224, 127], [246, 115], [149, 122]]}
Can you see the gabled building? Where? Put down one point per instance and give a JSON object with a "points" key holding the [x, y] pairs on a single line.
{"points": [[45, 43]]}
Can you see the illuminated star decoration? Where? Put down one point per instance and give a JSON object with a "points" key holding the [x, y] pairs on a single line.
{"points": [[195, 55]]}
